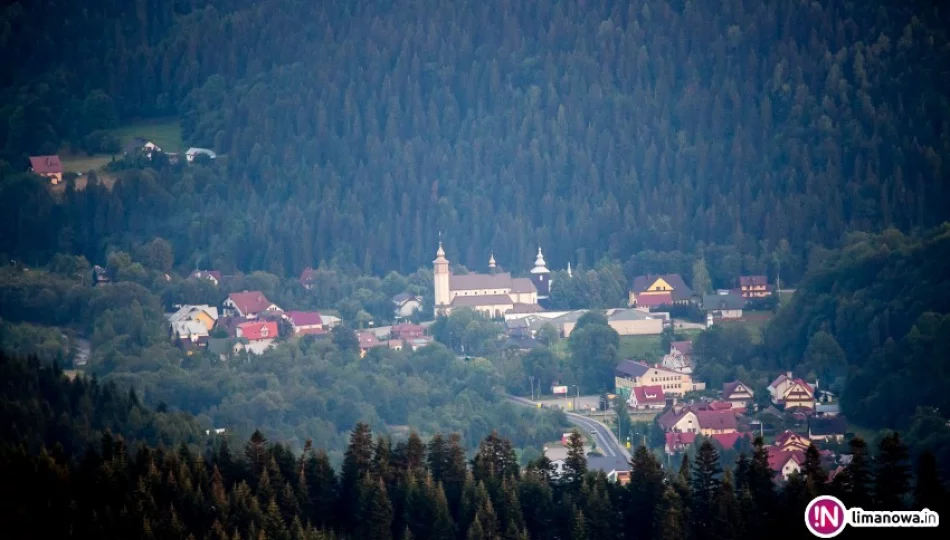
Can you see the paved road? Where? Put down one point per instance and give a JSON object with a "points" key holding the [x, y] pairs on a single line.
{"points": [[606, 441]]}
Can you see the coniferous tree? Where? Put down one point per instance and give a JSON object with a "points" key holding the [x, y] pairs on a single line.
{"points": [[357, 463], [705, 486], [255, 453], [579, 527], [376, 516], [455, 475], [575, 464], [642, 495], [321, 488], [437, 457], [726, 515], [672, 524], [813, 473], [853, 485], [929, 491], [892, 481]]}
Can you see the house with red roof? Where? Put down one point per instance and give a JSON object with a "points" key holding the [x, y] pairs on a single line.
{"points": [[304, 322], [407, 331], [728, 440], [683, 347], [678, 442], [716, 422], [49, 166], [655, 290], [789, 440], [739, 394], [249, 304], [647, 397], [791, 392], [368, 340], [307, 278], [678, 419], [785, 462], [260, 335]]}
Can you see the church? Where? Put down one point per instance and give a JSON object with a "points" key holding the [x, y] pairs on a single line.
{"points": [[493, 294]]}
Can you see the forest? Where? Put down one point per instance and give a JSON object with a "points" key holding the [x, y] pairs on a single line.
{"points": [[224, 489], [749, 134]]}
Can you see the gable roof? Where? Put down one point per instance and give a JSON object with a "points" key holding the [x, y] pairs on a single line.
{"points": [[482, 300], [727, 440], [723, 301], [684, 347], [304, 318], [255, 330], [716, 419], [629, 368], [401, 298], [522, 285], [607, 463], [628, 315], [796, 440], [649, 394], [680, 290], [187, 327], [471, 282], [676, 438], [368, 339], [730, 388], [669, 418], [778, 458], [778, 380], [753, 281], [185, 313], [46, 164], [249, 302], [654, 299], [307, 275]]}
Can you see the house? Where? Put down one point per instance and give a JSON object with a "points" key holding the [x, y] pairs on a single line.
{"points": [[417, 343], [617, 468], [831, 428], [727, 440], [716, 422], [738, 393], [190, 332], [407, 331], [790, 441], [678, 420], [249, 304], [308, 277], [304, 322], [100, 276], [677, 361], [145, 145], [790, 392], [49, 166], [647, 397], [629, 374], [785, 462], [368, 340], [211, 275], [203, 314], [651, 290], [193, 152], [724, 306], [753, 286], [226, 348], [395, 344], [677, 442], [683, 347], [630, 322], [260, 335], [406, 305]]}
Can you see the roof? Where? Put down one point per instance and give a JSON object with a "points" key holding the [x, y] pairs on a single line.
{"points": [[207, 274], [368, 339], [727, 440], [753, 281], [482, 300], [46, 164], [629, 368], [628, 315], [607, 463], [193, 151], [304, 318], [522, 285], [778, 458], [680, 290], [186, 328], [674, 439], [258, 330], [402, 298], [185, 313], [833, 425], [654, 299], [406, 327], [730, 387], [471, 282], [716, 419], [787, 436], [723, 301], [649, 394], [526, 308], [250, 301], [778, 380], [669, 418], [684, 347], [307, 274], [828, 408]]}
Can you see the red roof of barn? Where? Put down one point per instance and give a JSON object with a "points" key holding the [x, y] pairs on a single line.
{"points": [[258, 330], [46, 164]]}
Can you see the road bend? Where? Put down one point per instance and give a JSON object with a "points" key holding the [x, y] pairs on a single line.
{"points": [[606, 440]]}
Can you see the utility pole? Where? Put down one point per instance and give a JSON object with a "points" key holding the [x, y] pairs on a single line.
{"points": [[531, 379]]}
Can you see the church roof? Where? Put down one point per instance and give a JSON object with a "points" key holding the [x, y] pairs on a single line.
{"points": [[522, 285], [482, 300], [471, 282]]}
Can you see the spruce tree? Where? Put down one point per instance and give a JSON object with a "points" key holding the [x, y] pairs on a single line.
{"points": [[672, 524], [814, 475], [893, 476], [726, 517], [455, 475], [437, 457], [642, 495], [575, 464], [357, 462], [705, 485], [321, 490], [255, 453], [579, 527], [376, 518], [853, 485]]}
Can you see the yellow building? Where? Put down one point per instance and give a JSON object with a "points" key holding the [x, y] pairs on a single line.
{"points": [[754, 286], [630, 374]]}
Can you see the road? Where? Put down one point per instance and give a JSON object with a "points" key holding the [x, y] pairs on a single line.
{"points": [[606, 440]]}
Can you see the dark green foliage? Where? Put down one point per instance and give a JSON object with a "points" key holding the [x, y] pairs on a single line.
{"points": [[892, 473], [595, 351], [575, 464], [854, 485]]}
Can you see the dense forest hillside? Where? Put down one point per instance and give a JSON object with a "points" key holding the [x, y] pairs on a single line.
{"points": [[746, 132], [411, 489]]}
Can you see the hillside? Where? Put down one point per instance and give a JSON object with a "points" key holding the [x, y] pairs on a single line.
{"points": [[356, 131]]}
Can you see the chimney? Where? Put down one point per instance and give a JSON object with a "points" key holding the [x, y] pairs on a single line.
{"points": [[788, 374]]}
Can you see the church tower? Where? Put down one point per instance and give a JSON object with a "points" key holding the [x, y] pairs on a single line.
{"points": [[440, 279], [491, 264], [541, 276]]}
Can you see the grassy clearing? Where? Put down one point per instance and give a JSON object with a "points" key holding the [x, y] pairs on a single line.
{"points": [[640, 347], [754, 322], [165, 132], [83, 163]]}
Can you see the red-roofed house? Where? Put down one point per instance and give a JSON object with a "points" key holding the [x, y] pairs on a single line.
{"points": [[785, 462], [654, 300], [305, 322], [716, 422], [260, 335], [753, 286], [678, 419], [248, 304], [678, 442], [307, 278], [727, 440], [407, 331], [739, 394], [49, 166], [368, 340], [684, 347], [647, 397], [791, 392]]}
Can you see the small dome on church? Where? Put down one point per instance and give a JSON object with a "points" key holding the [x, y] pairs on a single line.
{"points": [[540, 267], [491, 261]]}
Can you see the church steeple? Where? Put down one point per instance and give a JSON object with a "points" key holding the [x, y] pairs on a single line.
{"points": [[491, 262], [440, 278], [541, 276], [540, 267]]}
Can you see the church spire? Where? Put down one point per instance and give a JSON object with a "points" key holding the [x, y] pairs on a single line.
{"points": [[491, 261], [540, 267]]}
